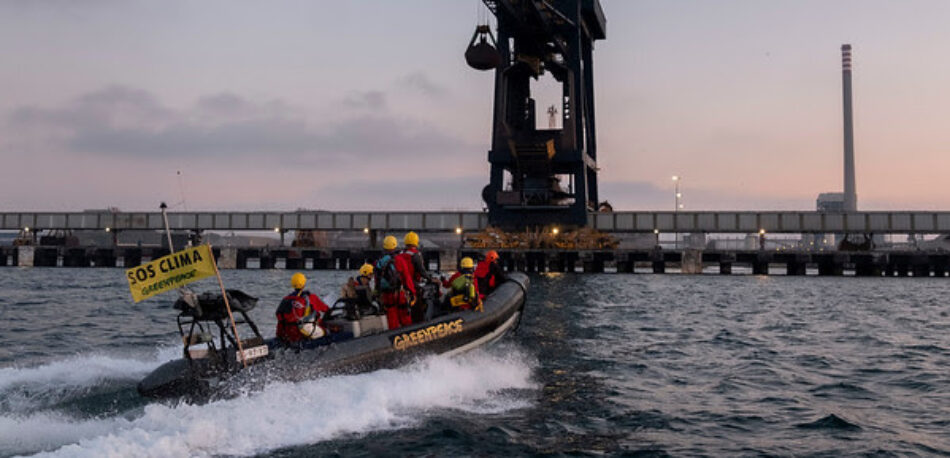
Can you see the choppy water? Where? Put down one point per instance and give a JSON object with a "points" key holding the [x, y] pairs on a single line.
{"points": [[639, 364]]}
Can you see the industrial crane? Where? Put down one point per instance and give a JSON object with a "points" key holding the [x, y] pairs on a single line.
{"points": [[529, 166]]}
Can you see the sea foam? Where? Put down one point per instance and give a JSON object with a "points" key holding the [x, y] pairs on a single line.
{"points": [[27, 389], [291, 414]]}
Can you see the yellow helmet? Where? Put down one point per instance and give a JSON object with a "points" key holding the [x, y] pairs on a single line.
{"points": [[298, 281], [366, 270], [467, 263], [390, 243], [411, 239]]}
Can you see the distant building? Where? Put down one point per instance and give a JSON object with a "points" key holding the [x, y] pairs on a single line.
{"points": [[830, 202], [827, 202], [941, 243], [6, 238]]}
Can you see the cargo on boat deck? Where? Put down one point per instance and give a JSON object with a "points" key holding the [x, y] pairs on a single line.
{"points": [[366, 325]]}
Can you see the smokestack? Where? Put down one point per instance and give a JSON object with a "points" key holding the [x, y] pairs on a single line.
{"points": [[850, 194]]}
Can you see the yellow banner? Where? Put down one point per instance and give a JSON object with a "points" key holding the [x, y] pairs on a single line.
{"points": [[170, 272]]}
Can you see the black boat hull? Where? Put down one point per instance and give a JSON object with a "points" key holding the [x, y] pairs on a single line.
{"points": [[448, 334]]}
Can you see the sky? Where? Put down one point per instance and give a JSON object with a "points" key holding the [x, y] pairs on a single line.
{"points": [[368, 105]]}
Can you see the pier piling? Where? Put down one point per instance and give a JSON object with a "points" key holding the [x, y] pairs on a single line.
{"points": [[131, 257], [725, 262], [45, 256], [75, 257], [829, 265], [104, 257], [626, 264], [23, 256], [294, 261], [267, 261], [228, 258], [692, 261], [940, 264]]}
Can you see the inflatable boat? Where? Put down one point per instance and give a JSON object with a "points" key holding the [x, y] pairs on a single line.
{"points": [[213, 366]]}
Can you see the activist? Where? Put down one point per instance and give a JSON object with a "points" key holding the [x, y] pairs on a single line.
{"points": [[489, 274], [358, 294], [416, 268], [463, 288], [300, 314], [394, 283]]}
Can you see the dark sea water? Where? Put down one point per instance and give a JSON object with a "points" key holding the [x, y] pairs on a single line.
{"points": [[651, 365]]}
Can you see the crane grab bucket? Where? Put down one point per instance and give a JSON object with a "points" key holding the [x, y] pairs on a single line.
{"points": [[482, 55]]}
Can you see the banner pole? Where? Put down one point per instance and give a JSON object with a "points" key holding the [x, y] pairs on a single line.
{"points": [[168, 231], [227, 305], [171, 248]]}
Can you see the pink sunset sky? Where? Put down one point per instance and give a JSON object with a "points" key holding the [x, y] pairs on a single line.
{"points": [[369, 105]]}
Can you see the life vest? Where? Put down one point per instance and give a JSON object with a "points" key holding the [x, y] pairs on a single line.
{"points": [[290, 314], [364, 289], [463, 291], [387, 275]]}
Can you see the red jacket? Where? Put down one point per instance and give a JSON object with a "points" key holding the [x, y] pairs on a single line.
{"points": [[416, 264], [292, 309], [482, 273], [489, 276], [406, 272]]}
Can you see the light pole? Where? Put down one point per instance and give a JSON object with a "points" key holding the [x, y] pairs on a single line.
{"points": [[676, 193], [676, 208]]}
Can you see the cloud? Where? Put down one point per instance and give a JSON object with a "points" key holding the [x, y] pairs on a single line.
{"points": [[183, 138], [129, 122], [374, 100], [419, 82], [111, 106]]}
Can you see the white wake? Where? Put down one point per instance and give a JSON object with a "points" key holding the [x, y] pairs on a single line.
{"points": [[286, 414]]}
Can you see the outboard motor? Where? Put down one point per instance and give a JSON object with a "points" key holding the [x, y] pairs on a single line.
{"points": [[482, 55]]}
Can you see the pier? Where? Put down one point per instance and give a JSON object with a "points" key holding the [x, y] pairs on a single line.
{"points": [[375, 224], [890, 222], [657, 261]]}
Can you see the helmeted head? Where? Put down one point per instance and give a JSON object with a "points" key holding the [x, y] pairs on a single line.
{"points": [[298, 281], [411, 239], [491, 256], [390, 243], [467, 263], [366, 270]]}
